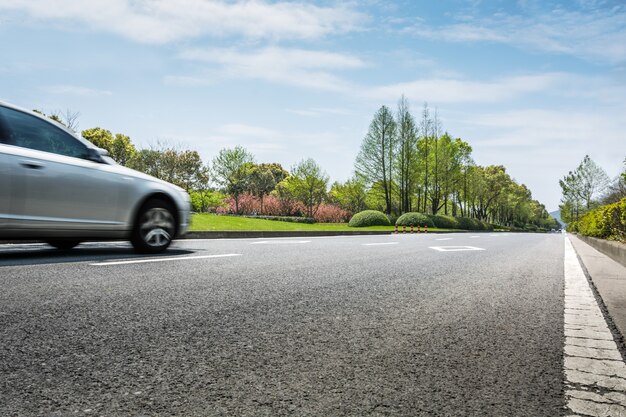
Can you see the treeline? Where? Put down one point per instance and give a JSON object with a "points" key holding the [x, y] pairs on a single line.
{"points": [[592, 203], [411, 164], [404, 165]]}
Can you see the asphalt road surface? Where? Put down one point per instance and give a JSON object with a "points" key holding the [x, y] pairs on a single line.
{"points": [[399, 325]]}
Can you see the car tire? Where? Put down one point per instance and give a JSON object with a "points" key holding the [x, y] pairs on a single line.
{"points": [[66, 244], [154, 228]]}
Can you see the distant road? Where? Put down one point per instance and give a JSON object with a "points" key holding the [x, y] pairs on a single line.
{"points": [[404, 325]]}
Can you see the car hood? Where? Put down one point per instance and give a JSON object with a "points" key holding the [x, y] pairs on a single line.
{"points": [[122, 170]]}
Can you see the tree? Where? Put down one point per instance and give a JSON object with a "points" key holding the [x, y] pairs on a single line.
{"points": [[593, 180], [183, 168], [231, 168], [264, 178], [119, 147], [374, 163], [308, 183], [580, 187], [406, 154], [350, 195]]}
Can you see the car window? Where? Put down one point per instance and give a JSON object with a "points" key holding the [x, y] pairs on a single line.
{"points": [[30, 132]]}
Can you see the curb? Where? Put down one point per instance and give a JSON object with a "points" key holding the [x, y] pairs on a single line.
{"points": [[242, 234], [612, 249]]}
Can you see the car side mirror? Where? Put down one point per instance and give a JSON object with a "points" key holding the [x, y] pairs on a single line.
{"points": [[96, 154]]}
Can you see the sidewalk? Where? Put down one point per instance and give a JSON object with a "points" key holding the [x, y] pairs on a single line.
{"points": [[609, 278]]}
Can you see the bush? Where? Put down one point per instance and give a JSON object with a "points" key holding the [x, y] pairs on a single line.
{"points": [[369, 218], [415, 219], [330, 213], [445, 222], [606, 222], [290, 219]]}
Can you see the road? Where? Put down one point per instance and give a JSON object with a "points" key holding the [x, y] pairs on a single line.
{"points": [[399, 325]]}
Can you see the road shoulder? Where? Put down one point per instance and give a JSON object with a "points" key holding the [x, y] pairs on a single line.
{"points": [[609, 279]]}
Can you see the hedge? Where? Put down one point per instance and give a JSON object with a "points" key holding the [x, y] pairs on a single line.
{"points": [[445, 222], [605, 222], [291, 219], [369, 218], [415, 219]]}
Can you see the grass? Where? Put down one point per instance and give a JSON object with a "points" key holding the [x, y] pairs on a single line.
{"points": [[222, 223]]}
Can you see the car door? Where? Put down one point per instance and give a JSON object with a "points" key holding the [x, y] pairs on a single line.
{"points": [[55, 186]]}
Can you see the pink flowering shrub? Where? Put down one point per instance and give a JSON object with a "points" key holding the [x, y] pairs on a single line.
{"points": [[275, 206], [329, 213]]}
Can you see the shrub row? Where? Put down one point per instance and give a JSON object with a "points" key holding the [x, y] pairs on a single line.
{"points": [[375, 218], [291, 219], [606, 222]]}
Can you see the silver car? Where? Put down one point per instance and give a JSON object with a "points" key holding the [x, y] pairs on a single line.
{"points": [[58, 187]]}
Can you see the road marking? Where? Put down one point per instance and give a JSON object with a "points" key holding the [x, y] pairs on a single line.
{"points": [[380, 243], [474, 237], [445, 238], [280, 242], [454, 248], [595, 373], [167, 259]]}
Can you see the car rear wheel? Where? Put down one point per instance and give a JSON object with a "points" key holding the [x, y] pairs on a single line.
{"points": [[155, 227], [63, 244]]}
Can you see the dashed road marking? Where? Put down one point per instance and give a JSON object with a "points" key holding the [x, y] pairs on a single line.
{"points": [[166, 259], [454, 248], [445, 238], [380, 243], [280, 242], [595, 373], [474, 237]]}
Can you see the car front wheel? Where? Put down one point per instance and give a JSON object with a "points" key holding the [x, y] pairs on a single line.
{"points": [[155, 227]]}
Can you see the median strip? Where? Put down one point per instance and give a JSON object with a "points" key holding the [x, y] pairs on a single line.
{"points": [[167, 259]]}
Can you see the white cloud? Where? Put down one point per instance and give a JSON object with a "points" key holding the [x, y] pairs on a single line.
{"points": [[161, 21], [439, 90], [292, 66], [75, 90], [591, 33]]}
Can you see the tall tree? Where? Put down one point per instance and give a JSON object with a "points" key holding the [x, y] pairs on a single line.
{"points": [[406, 154], [374, 163], [231, 168]]}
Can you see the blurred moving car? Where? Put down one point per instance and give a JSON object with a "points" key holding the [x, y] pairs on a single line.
{"points": [[58, 187]]}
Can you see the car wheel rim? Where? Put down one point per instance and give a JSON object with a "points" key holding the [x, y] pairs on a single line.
{"points": [[157, 227]]}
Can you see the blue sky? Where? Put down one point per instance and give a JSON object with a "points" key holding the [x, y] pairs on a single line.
{"points": [[532, 85]]}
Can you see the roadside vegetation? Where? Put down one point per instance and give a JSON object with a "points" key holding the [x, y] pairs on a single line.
{"points": [[406, 167], [592, 204]]}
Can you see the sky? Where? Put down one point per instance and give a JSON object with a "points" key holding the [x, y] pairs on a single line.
{"points": [[531, 85]]}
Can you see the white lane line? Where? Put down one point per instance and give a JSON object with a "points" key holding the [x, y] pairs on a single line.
{"points": [[379, 244], [280, 242], [454, 248], [445, 238], [595, 373], [167, 259], [474, 237]]}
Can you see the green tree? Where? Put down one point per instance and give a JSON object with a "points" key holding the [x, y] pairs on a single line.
{"points": [[119, 146], [308, 183], [231, 168], [264, 178], [374, 163], [406, 154], [350, 195]]}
